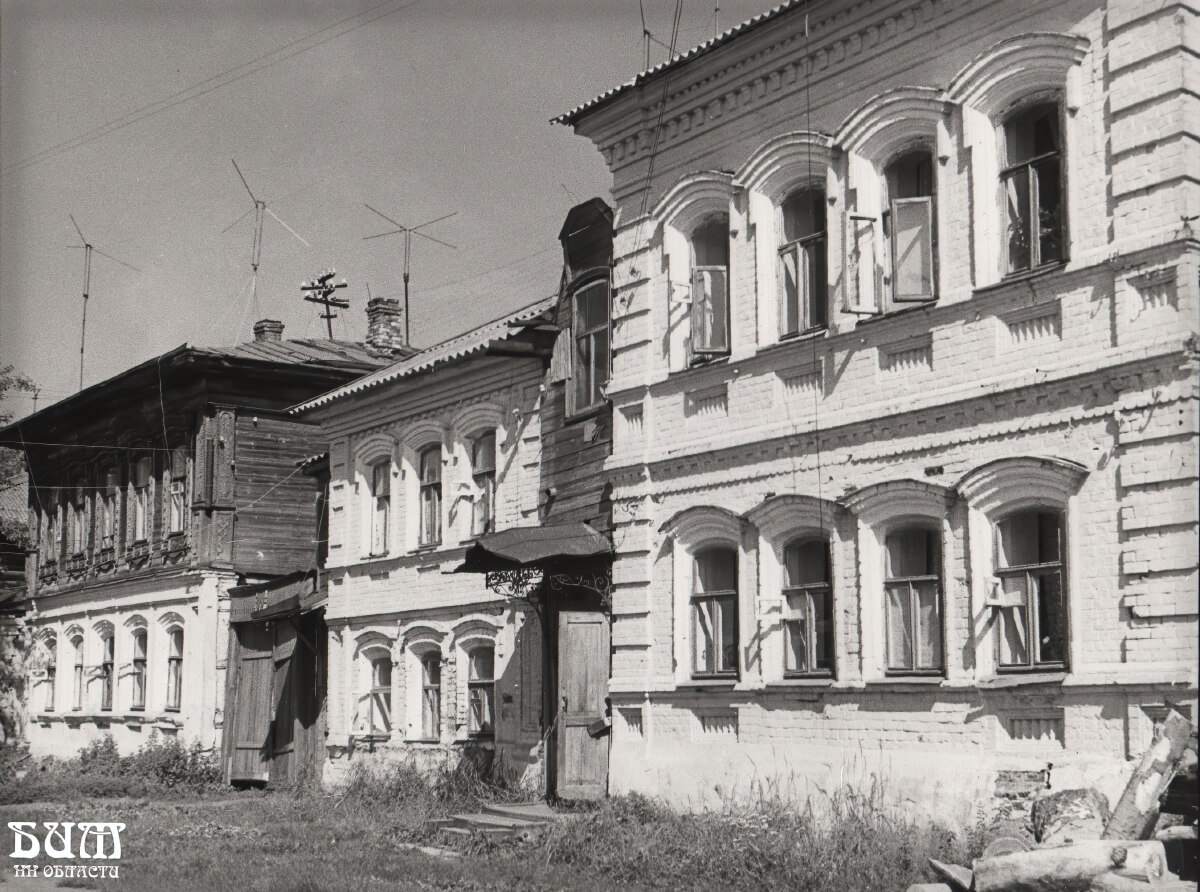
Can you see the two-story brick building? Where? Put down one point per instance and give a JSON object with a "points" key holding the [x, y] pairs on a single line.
{"points": [[151, 494], [904, 365]]}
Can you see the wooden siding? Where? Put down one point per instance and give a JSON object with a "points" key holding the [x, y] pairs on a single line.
{"points": [[276, 527]]}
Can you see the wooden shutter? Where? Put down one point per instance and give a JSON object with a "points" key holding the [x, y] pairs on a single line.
{"points": [[710, 310], [862, 292], [912, 250]]}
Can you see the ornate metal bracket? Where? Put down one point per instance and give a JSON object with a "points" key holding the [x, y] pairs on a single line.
{"points": [[522, 581]]}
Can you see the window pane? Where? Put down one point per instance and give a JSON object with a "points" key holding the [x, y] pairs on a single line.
{"points": [[1031, 133], [795, 657], [591, 310], [912, 551], [815, 284], [1014, 636], [483, 453], [599, 364], [431, 465], [716, 570], [381, 672], [929, 625], [583, 371], [911, 176], [726, 620], [703, 637], [806, 563], [899, 628], [710, 243], [432, 669], [823, 631], [431, 713], [1049, 197], [709, 310], [1029, 537], [789, 277], [481, 664], [1051, 618], [803, 214], [1016, 206], [912, 249]]}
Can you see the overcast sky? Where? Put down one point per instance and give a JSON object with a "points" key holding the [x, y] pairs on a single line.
{"points": [[126, 114]]}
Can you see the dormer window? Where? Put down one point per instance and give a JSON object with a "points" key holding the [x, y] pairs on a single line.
{"points": [[710, 289], [908, 226], [1032, 185], [803, 269]]}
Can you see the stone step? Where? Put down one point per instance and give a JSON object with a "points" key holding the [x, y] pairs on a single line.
{"points": [[534, 812], [484, 821]]}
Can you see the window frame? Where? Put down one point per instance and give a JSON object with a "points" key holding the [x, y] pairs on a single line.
{"points": [[110, 526], [700, 607], [429, 495], [1008, 170], [892, 300], [587, 281], [177, 511], [380, 507], [142, 526], [78, 674], [50, 644], [913, 607], [481, 690], [809, 591], [483, 481], [699, 355], [137, 699], [1031, 594], [379, 695], [431, 695], [107, 667], [174, 689], [806, 321]]}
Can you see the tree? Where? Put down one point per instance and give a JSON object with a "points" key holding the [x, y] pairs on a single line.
{"points": [[12, 462]]}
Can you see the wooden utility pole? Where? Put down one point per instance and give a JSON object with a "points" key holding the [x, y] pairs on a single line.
{"points": [[321, 291]]}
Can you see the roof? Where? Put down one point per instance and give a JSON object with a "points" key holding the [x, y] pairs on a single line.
{"points": [[663, 67], [304, 352], [538, 546], [14, 500], [475, 341]]}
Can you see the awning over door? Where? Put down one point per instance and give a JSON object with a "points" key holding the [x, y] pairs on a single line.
{"points": [[277, 598], [541, 546]]}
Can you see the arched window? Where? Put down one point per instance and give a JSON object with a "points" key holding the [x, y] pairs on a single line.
{"points": [[714, 612], [483, 476], [380, 705], [106, 670], [50, 648], [710, 288], [381, 505], [481, 689], [431, 695], [1032, 184], [138, 675], [430, 477], [909, 226], [174, 669], [808, 609], [1031, 590], [912, 592], [77, 679], [803, 267]]}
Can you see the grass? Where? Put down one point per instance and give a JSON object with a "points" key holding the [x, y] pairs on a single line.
{"points": [[360, 837]]}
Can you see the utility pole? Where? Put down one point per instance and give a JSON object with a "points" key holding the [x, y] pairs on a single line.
{"points": [[321, 292]]}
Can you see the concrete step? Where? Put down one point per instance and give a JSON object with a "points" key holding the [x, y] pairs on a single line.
{"points": [[484, 821], [535, 812]]}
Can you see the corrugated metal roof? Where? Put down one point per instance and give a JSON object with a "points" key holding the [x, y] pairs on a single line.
{"points": [[651, 73], [474, 341]]}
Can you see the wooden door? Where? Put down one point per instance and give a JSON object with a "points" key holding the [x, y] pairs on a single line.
{"points": [[283, 726], [583, 734], [252, 704]]}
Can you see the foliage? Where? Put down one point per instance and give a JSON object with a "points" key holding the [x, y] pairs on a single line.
{"points": [[12, 463], [163, 765]]}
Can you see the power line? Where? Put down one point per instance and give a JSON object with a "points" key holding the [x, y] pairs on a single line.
{"points": [[195, 91]]}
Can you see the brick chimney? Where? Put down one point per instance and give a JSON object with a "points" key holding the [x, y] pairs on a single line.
{"points": [[385, 331], [268, 330]]}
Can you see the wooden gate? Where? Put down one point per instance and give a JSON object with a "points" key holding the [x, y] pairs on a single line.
{"points": [[583, 669], [252, 704]]}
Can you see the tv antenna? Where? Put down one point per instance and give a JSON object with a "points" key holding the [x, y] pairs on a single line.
{"points": [[409, 232], [260, 208], [88, 250], [321, 292]]}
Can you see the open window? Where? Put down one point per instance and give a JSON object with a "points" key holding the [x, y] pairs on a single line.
{"points": [[1031, 594], [908, 227], [1032, 185], [913, 600], [803, 264], [808, 609], [714, 608], [710, 289]]}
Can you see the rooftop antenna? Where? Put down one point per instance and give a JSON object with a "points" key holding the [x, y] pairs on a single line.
{"points": [[88, 250], [645, 35], [409, 232], [260, 208], [321, 292]]}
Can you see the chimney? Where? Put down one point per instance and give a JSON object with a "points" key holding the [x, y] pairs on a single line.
{"points": [[385, 333], [268, 330]]}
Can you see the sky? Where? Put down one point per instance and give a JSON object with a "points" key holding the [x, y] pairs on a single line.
{"points": [[127, 115]]}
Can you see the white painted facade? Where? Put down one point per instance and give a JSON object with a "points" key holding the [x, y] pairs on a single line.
{"points": [[1059, 393]]}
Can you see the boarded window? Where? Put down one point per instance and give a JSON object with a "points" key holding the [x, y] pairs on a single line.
{"points": [[1032, 592], [714, 613], [808, 615], [710, 289], [913, 595]]}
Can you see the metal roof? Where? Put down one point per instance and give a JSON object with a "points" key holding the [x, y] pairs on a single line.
{"points": [[477, 340], [303, 352], [651, 73]]}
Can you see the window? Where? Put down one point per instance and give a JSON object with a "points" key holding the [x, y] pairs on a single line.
{"points": [[483, 472], [591, 357], [1031, 590], [178, 489], [1032, 184], [431, 695], [381, 505], [54, 529], [913, 600], [714, 613], [710, 289], [142, 505], [106, 671], [174, 669], [430, 468], [481, 666], [79, 521], [908, 226], [138, 700], [108, 509], [51, 646], [808, 609], [803, 270], [77, 698], [380, 705]]}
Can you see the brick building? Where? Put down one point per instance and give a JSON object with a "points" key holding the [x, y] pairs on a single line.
{"points": [[904, 391]]}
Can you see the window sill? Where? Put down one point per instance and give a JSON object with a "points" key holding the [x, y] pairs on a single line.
{"points": [[906, 682], [1022, 679], [700, 685], [1024, 275], [585, 414], [895, 312], [808, 334], [803, 681]]}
